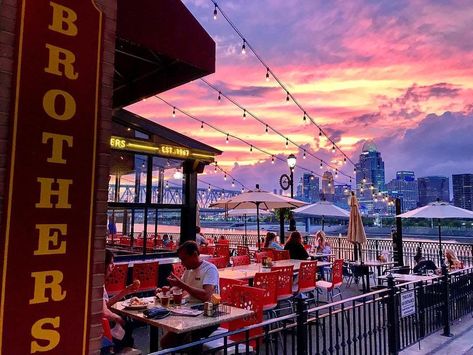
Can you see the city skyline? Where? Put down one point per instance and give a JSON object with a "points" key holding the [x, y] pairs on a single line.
{"points": [[398, 73]]}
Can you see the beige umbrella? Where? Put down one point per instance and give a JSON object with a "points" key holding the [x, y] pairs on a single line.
{"points": [[259, 198], [356, 231]]}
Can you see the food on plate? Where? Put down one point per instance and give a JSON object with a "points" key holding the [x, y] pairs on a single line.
{"points": [[135, 301], [215, 299]]}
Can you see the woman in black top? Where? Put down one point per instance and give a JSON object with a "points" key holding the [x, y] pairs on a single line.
{"points": [[295, 247]]}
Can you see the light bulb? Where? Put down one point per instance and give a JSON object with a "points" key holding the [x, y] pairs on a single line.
{"points": [[173, 112], [303, 156], [251, 149], [233, 183], [209, 188], [267, 74], [202, 125], [321, 165], [287, 143], [333, 148], [336, 172], [219, 98], [226, 140], [344, 160], [287, 96], [243, 47], [266, 130], [320, 133], [225, 177], [272, 159], [244, 114], [215, 12], [304, 118]]}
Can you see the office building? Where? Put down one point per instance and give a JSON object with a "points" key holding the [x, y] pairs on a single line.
{"points": [[310, 188], [432, 188], [342, 193], [328, 187], [463, 191], [404, 187]]}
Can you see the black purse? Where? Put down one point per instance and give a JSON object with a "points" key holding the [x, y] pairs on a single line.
{"points": [[156, 313]]}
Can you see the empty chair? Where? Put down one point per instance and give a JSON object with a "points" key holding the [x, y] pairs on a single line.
{"points": [[223, 250], [243, 250], [240, 260], [116, 281], [178, 269], [207, 249], [285, 281], [337, 281], [269, 282], [281, 255], [261, 255], [150, 243], [220, 262], [306, 278], [147, 273], [226, 286]]}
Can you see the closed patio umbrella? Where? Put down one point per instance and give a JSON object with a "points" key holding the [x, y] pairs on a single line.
{"points": [[259, 198], [439, 210], [323, 209], [356, 231]]}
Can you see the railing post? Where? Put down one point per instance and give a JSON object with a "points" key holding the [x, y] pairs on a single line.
{"points": [[446, 311], [340, 248], [301, 308], [393, 318]]}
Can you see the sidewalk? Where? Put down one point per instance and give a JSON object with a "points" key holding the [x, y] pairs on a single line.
{"points": [[460, 343]]}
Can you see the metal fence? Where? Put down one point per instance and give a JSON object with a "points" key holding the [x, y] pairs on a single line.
{"points": [[385, 321]]}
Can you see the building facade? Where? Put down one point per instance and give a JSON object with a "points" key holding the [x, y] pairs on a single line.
{"points": [[432, 188], [310, 188], [463, 191], [404, 187], [328, 187], [342, 193]]}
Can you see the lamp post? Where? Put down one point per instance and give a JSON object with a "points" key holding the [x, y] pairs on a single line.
{"points": [[291, 162], [286, 182]]}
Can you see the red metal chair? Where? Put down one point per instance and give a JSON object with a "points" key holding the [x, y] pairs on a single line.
{"points": [[337, 281], [116, 281], [243, 250], [269, 282], [147, 273], [306, 278], [178, 269], [226, 286], [206, 249], [240, 260], [125, 241], [171, 245], [281, 255], [285, 278], [223, 250], [259, 256], [220, 262], [150, 243]]}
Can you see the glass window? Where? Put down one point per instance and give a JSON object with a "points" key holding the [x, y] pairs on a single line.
{"points": [[167, 181]]}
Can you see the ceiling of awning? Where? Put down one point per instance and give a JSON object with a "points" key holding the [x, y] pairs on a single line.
{"points": [[159, 46]]}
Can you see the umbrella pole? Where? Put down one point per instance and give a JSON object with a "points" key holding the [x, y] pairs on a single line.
{"points": [[322, 222], [246, 236], [257, 225]]}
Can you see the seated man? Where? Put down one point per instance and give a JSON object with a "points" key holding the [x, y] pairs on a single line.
{"points": [[423, 265], [199, 281], [199, 237]]}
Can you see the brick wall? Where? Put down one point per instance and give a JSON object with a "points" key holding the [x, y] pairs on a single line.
{"points": [[8, 13]]}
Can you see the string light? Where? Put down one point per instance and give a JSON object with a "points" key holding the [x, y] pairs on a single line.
{"points": [[336, 172], [333, 148], [364, 179], [243, 47], [287, 96], [233, 183], [215, 12], [344, 160], [219, 96], [244, 114], [225, 177], [303, 156], [215, 168], [202, 125], [267, 74], [209, 188], [287, 143], [266, 130], [321, 165], [173, 112], [304, 118], [320, 133], [251, 149], [242, 189], [167, 185], [354, 171], [312, 177], [272, 159], [226, 140]]}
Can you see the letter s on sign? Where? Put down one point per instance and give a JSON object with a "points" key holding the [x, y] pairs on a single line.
{"points": [[50, 335]]}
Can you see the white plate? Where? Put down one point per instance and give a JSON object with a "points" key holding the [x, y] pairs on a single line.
{"points": [[127, 305]]}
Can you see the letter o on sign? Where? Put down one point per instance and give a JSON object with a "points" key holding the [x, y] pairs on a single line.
{"points": [[49, 104]]}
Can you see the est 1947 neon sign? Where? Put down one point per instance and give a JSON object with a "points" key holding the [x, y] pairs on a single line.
{"points": [[140, 146]]}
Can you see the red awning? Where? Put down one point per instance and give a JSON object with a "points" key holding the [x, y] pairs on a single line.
{"points": [[159, 46]]}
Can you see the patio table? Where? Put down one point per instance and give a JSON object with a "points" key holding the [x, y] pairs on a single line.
{"points": [[175, 323], [410, 277], [372, 263]]}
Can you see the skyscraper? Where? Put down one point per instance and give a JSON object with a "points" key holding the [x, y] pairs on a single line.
{"points": [[404, 187], [432, 188], [328, 187], [463, 191], [342, 192], [310, 188]]}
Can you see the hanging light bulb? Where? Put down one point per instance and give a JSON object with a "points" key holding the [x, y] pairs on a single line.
{"points": [[333, 148], [173, 112], [267, 74], [244, 114], [215, 168], [287, 143], [202, 125], [350, 181], [219, 98], [225, 176], [354, 171], [242, 189], [272, 159], [226, 139], [243, 47], [287, 96], [251, 148], [304, 118], [167, 185], [344, 160], [321, 165], [303, 155], [209, 188], [320, 133], [143, 165], [329, 184], [312, 176], [364, 179], [215, 12], [233, 183], [266, 130], [336, 172]]}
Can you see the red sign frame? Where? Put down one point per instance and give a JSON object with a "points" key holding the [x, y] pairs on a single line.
{"points": [[49, 208]]}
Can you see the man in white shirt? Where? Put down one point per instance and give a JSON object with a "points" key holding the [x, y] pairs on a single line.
{"points": [[200, 281], [199, 238]]}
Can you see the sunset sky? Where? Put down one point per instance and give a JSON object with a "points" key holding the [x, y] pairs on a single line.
{"points": [[399, 72]]}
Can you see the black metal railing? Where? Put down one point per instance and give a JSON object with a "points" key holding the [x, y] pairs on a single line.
{"points": [[385, 321]]}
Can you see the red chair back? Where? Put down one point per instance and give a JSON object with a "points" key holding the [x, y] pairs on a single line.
{"points": [[241, 260], [206, 249], [285, 278], [147, 273], [269, 282], [307, 274], [270, 252], [125, 241], [337, 273], [261, 255], [281, 255], [220, 262], [223, 250], [243, 250], [178, 269], [138, 242], [107, 332], [226, 286], [171, 245], [150, 243], [250, 298], [159, 243], [116, 281]]}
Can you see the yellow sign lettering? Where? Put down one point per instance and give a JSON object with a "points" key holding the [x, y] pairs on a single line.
{"points": [[44, 280], [49, 104], [46, 240], [60, 56], [47, 191], [39, 332], [57, 139], [63, 20]]}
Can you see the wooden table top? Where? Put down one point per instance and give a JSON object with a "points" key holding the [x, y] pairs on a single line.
{"points": [[181, 324], [246, 272]]}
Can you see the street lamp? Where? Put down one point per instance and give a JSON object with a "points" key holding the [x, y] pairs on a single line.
{"points": [[287, 182], [291, 162]]}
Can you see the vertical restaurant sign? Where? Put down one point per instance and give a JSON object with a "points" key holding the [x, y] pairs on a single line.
{"points": [[48, 224]]}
